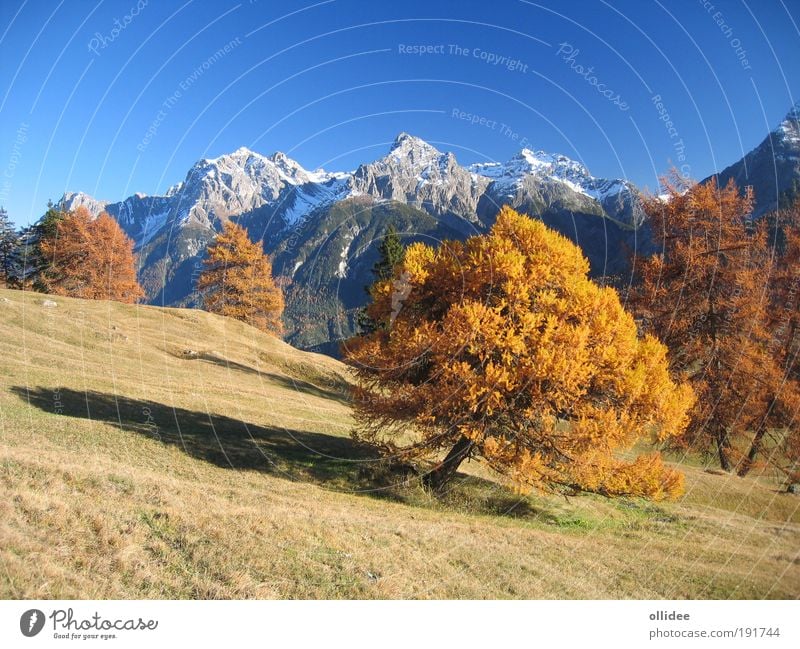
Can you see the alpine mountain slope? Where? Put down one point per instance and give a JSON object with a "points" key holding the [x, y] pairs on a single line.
{"points": [[323, 228]]}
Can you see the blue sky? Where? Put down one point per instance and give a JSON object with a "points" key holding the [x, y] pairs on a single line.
{"points": [[116, 97]]}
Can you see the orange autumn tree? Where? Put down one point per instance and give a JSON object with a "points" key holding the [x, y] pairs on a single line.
{"points": [[706, 296], [90, 258], [237, 281], [784, 321], [501, 348]]}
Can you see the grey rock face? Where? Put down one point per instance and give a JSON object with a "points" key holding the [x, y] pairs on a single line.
{"points": [[772, 169], [418, 174], [322, 228]]}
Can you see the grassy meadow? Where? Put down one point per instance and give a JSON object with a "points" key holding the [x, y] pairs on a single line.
{"points": [[166, 453]]}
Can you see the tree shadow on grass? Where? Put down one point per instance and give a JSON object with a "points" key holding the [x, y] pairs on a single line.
{"points": [[214, 438], [335, 390], [339, 463]]}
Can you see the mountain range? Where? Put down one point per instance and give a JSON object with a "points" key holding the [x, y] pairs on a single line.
{"points": [[323, 228]]}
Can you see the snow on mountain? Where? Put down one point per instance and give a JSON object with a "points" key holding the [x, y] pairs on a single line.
{"points": [[418, 174], [789, 128], [413, 172], [539, 163], [615, 196], [74, 200], [307, 198], [548, 166]]}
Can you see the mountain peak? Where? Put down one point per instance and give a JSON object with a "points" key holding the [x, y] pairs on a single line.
{"points": [[73, 200], [289, 167], [407, 142], [789, 129], [241, 155], [401, 137], [539, 163]]}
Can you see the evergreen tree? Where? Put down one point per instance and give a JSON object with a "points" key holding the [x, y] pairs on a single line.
{"points": [[9, 243], [32, 262], [48, 224], [237, 281], [391, 253]]}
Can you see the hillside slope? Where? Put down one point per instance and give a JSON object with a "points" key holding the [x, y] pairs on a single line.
{"points": [[165, 453]]}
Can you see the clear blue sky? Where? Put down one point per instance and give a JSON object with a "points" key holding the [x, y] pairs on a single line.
{"points": [[87, 105]]}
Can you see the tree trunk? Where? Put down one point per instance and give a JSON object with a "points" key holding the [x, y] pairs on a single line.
{"points": [[755, 447], [722, 447], [440, 476]]}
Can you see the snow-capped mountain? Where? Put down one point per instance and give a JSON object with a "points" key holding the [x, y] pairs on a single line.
{"points": [[773, 167], [418, 174], [413, 172], [74, 200], [219, 188], [323, 228], [244, 181], [616, 197], [319, 225]]}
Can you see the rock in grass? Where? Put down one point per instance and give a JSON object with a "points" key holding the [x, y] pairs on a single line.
{"points": [[49, 304]]}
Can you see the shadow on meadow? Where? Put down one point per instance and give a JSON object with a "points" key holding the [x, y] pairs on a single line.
{"points": [[220, 440], [338, 463], [336, 390]]}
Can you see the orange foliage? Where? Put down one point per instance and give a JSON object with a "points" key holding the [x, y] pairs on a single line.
{"points": [[502, 348], [707, 296], [90, 258], [237, 281], [785, 325]]}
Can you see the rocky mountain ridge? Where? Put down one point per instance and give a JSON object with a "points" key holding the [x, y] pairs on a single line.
{"points": [[323, 228]]}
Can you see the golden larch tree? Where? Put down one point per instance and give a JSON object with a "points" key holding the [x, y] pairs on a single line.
{"points": [[784, 322], [90, 258], [501, 348], [237, 281], [706, 295]]}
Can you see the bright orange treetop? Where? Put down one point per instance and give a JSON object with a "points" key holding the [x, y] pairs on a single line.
{"points": [[237, 281], [502, 348]]}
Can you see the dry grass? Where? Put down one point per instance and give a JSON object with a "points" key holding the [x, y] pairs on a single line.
{"points": [[131, 469]]}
